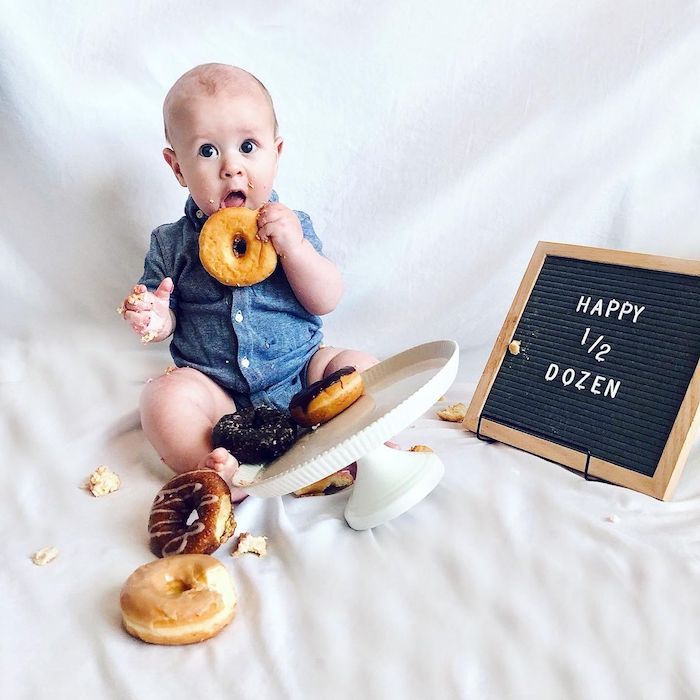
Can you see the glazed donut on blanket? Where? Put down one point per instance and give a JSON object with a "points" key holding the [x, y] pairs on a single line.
{"points": [[230, 250], [183, 599], [203, 491], [326, 398]]}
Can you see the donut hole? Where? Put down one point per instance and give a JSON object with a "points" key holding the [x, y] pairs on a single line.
{"points": [[239, 245], [177, 586]]}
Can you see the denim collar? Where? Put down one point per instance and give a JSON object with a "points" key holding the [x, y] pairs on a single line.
{"points": [[197, 217]]}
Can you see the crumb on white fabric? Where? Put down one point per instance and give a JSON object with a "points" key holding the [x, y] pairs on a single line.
{"points": [[613, 518], [454, 413], [421, 448], [102, 481], [250, 544], [44, 556]]}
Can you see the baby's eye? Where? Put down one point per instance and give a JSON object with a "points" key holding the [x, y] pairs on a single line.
{"points": [[208, 151], [248, 146]]}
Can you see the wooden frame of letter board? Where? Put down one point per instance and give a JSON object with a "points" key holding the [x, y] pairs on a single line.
{"points": [[680, 439]]}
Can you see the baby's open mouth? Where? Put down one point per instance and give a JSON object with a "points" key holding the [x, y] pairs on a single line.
{"points": [[235, 198]]}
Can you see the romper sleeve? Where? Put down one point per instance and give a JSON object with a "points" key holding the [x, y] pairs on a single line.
{"points": [[308, 231], [154, 268]]}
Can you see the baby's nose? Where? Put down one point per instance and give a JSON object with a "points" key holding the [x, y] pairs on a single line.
{"points": [[230, 169]]}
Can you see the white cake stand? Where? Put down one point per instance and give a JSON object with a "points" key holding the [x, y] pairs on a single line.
{"points": [[388, 482]]}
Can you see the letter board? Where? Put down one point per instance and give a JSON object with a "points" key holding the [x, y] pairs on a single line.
{"points": [[596, 366]]}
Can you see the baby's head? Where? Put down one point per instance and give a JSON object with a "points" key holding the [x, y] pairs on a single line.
{"points": [[222, 133]]}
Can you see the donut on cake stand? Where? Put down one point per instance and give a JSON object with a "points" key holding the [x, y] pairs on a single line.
{"points": [[389, 482]]}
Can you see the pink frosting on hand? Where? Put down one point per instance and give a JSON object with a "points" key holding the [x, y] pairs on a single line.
{"points": [[148, 313]]}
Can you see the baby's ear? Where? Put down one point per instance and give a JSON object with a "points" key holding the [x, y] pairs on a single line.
{"points": [[279, 143], [171, 160]]}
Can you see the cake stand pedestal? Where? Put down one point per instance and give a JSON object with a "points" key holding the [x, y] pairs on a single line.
{"points": [[389, 482]]}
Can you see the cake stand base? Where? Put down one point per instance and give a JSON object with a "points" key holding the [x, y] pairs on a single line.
{"points": [[388, 483]]}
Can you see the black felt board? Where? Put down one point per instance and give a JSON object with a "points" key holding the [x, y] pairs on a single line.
{"points": [[646, 370]]}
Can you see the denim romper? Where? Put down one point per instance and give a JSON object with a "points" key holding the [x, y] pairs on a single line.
{"points": [[255, 342]]}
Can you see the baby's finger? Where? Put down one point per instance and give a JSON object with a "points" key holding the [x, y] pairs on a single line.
{"points": [[135, 318], [138, 302], [165, 288], [263, 233], [266, 214], [138, 307], [138, 320], [270, 216]]}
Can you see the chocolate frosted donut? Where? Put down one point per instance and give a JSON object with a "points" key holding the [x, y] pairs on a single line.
{"points": [[202, 491], [326, 398], [255, 435]]}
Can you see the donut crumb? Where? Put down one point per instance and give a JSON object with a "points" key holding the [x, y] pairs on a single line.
{"points": [[102, 481], [421, 448], [44, 556], [250, 544], [454, 413]]}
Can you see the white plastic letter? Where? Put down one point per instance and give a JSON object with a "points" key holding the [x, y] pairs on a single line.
{"points": [[583, 302], [613, 305], [552, 371], [612, 387], [568, 376], [596, 383], [627, 308], [580, 383]]}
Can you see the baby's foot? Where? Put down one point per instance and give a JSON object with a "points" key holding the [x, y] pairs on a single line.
{"points": [[223, 462]]}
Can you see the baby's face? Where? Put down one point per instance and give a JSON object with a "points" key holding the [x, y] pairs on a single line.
{"points": [[224, 149]]}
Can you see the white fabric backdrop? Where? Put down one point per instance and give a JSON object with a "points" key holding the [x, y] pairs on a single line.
{"points": [[433, 145]]}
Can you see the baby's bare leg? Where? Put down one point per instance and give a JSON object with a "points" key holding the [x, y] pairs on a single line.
{"points": [[178, 412], [328, 359]]}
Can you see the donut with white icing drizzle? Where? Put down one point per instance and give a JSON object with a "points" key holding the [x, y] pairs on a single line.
{"points": [[203, 492]]}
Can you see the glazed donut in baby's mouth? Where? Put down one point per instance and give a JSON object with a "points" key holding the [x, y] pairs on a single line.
{"points": [[230, 250], [182, 599], [202, 491], [326, 398]]}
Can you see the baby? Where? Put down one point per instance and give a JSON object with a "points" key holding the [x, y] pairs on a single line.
{"points": [[233, 346]]}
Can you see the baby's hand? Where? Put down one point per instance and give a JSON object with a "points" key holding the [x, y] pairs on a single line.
{"points": [[148, 313], [280, 225]]}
